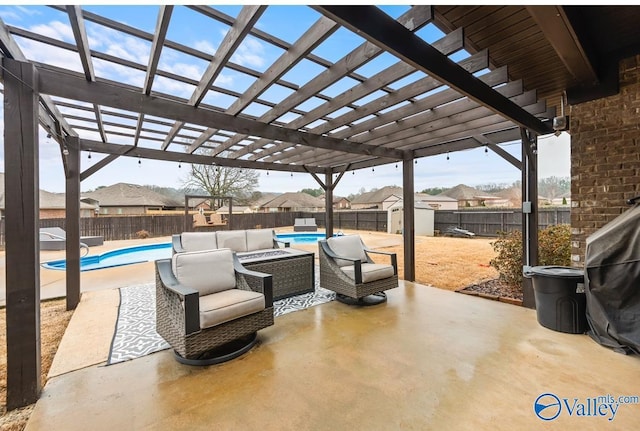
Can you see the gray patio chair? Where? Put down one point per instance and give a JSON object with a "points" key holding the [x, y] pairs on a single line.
{"points": [[347, 269], [209, 307]]}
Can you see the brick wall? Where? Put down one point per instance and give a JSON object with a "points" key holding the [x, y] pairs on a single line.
{"points": [[605, 157]]}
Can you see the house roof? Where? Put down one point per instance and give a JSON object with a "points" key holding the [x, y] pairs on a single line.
{"points": [[425, 197], [294, 200], [124, 194], [378, 196], [463, 192], [48, 200]]}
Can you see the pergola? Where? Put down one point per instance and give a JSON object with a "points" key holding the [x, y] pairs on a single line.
{"points": [[521, 62]]}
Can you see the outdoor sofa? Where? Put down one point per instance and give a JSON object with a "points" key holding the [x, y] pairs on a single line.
{"points": [[259, 250], [305, 225]]}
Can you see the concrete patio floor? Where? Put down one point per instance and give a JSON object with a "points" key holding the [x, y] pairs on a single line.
{"points": [[428, 359]]}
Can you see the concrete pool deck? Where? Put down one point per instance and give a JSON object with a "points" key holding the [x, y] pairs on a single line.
{"points": [[53, 282]]}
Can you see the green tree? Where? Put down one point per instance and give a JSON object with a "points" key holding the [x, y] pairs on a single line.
{"points": [[434, 190], [313, 192]]}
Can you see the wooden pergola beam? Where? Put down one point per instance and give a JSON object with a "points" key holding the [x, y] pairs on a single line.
{"points": [[69, 86], [377, 27], [558, 30], [247, 18], [172, 156]]}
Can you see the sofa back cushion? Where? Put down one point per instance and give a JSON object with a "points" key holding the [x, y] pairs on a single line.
{"points": [[348, 246], [236, 240], [197, 241], [208, 271], [259, 239]]}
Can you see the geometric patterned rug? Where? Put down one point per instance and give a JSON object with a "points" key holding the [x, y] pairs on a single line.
{"points": [[135, 334]]}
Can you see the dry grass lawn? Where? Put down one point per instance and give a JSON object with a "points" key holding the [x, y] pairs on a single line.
{"points": [[54, 320], [450, 263], [447, 263]]}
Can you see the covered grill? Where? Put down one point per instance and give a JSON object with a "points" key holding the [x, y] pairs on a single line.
{"points": [[612, 282]]}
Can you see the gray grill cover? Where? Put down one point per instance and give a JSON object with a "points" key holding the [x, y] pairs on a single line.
{"points": [[612, 283]]}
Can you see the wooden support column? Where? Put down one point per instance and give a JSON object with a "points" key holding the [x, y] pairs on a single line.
{"points": [[408, 229], [72, 226], [328, 185], [22, 224], [328, 204], [529, 211]]}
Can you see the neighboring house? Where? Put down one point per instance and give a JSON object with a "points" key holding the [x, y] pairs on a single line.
{"points": [[287, 202], [436, 202], [52, 205], [470, 197], [236, 209], [263, 199], [131, 199], [341, 203], [381, 199]]}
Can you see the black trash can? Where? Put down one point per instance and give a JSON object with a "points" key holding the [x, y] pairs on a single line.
{"points": [[560, 299]]}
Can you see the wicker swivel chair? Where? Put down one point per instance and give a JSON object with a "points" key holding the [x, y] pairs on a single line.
{"points": [[209, 307], [347, 269]]}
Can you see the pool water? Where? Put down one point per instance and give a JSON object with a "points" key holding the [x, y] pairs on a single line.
{"points": [[119, 257], [301, 238]]}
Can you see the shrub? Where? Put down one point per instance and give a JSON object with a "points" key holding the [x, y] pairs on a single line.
{"points": [[142, 234], [554, 248]]}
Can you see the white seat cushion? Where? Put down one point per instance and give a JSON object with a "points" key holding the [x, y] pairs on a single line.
{"points": [[208, 271], [348, 246], [236, 240], [259, 239], [370, 271], [228, 305], [197, 241]]}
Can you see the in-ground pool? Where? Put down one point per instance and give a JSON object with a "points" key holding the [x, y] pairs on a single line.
{"points": [[301, 238], [119, 257]]}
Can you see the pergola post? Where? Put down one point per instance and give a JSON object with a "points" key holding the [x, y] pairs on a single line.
{"points": [[328, 204], [529, 211], [408, 229], [72, 225], [21, 107]]}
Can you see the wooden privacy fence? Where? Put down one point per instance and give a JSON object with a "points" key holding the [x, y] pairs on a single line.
{"points": [[485, 223], [489, 223]]}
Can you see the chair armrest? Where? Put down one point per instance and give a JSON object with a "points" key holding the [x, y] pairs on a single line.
{"points": [[256, 281], [176, 243], [286, 243], [189, 296], [393, 256], [357, 263]]}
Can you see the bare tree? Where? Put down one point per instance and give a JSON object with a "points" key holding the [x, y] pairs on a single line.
{"points": [[223, 181]]}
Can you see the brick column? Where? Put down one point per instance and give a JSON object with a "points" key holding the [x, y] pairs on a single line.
{"points": [[605, 157]]}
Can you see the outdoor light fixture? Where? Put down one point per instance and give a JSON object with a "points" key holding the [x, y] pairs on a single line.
{"points": [[139, 161], [65, 150], [447, 156], [179, 164], [89, 156]]}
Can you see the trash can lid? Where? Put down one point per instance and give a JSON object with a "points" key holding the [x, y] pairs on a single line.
{"points": [[557, 271]]}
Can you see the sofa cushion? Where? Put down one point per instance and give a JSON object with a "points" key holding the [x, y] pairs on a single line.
{"points": [[370, 271], [228, 305], [196, 241], [258, 239], [236, 240], [207, 271], [348, 246]]}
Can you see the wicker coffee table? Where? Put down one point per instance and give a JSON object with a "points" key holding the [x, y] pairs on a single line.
{"points": [[292, 270]]}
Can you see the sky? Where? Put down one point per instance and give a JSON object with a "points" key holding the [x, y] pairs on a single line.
{"points": [[471, 167]]}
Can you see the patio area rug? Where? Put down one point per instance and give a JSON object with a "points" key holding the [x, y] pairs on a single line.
{"points": [[135, 335]]}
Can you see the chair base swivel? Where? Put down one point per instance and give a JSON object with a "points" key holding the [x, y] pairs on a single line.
{"points": [[223, 353], [373, 299]]}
